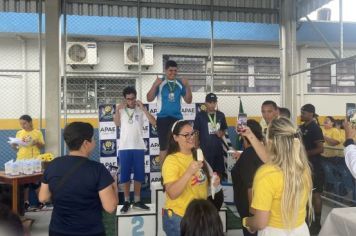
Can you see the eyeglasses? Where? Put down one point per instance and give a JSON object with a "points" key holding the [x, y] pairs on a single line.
{"points": [[188, 135]]}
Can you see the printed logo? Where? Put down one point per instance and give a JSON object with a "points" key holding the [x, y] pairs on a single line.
{"points": [[156, 177], [154, 146], [108, 147], [188, 111], [155, 164], [153, 131], [107, 130], [199, 178], [106, 112]]}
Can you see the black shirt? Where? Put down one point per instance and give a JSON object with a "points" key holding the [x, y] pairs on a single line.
{"points": [[242, 175], [210, 143], [312, 135], [77, 208]]}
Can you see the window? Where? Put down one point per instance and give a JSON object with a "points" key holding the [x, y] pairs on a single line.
{"points": [[265, 73], [85, 94], [336, 78]]}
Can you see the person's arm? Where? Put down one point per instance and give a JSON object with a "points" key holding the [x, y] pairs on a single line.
{"points": [[256, 144], [176, 188], [109, 197], [257, 222], [350, 133], [117, 116], [188, 97], [350, 159], [149, 116], [318, 150], [44, 195], [152, 93], [330, 141], [249, 197]]}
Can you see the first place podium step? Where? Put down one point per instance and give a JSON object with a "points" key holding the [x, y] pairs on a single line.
{"points": [[136, 222]]}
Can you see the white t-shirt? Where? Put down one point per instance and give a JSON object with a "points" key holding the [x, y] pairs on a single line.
{"points": [[131, 132]]}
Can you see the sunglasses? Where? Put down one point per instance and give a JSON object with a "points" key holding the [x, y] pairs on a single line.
{"points": [[188, 135]]}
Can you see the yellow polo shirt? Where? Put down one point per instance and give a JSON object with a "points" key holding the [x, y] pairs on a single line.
{"points": [[30, 151]]}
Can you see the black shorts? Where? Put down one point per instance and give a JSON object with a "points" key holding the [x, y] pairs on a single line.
{"points": [[164, 125], [317, 177]]}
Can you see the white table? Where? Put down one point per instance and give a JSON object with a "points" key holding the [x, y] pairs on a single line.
{"points": [[340, 222]]}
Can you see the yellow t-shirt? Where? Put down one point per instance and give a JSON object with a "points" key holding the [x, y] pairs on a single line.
{"points": [[267, 195], [30, 151], [334, 134], [173, 168]]}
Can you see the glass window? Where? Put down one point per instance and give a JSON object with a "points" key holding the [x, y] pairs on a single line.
{"points": [[336, 78], [85, 94]]}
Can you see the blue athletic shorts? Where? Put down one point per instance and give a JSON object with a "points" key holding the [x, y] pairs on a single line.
{"points": [[133, 159]]}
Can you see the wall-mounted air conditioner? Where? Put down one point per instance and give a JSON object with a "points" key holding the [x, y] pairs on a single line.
{"points": [[131, 54], [82, 53]]}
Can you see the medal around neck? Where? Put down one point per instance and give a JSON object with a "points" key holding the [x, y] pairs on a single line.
{"points": [[130, 115]]}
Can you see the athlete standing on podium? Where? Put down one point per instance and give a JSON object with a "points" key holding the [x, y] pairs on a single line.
{"points": [[129, 117], [168, 91]]}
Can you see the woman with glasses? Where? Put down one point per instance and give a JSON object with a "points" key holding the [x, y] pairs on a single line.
{"points": [[184, 177]]}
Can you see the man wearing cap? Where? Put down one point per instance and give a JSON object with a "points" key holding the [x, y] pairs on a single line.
{"points": [[211, 125], [169, 89], [313, 142]]}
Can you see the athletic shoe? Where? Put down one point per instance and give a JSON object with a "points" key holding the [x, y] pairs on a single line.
{"points": [[140, 206], [125, 208]]}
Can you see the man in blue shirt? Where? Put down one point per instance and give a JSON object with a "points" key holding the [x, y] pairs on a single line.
{"points": [[168, 90]]}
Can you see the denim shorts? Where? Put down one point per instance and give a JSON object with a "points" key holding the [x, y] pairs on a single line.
{"points": [[171, 222]]}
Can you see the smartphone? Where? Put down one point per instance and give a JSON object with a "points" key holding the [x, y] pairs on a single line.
{"points": [[351, 113], [241, 122]]}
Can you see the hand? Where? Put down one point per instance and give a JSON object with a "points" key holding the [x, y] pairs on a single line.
{"points": [[247, 133], [216, 180], [158, 81], [350, 132], [219, 133], [139, 104], [185, 82], [121, 106], [236, 155], [194, 167], [34, 142]]}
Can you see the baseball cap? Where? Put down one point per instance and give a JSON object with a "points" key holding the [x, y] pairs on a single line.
{"points": [[211, 97]]}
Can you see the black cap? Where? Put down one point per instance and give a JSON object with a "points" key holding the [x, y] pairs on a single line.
{"points": [[309, 108], [211, 97]]}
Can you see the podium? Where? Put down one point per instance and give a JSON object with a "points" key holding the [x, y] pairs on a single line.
{"points": [[136, 222]]}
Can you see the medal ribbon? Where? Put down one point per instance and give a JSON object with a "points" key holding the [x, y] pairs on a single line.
{"points": [[213, 122], [128, 114], [172, 88]]}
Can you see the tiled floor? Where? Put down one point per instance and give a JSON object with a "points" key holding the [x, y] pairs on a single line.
{"points": [[42, 218]]}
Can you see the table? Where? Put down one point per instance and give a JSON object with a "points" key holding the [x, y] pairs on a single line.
{"points": [[17, 180], [340, 222]]}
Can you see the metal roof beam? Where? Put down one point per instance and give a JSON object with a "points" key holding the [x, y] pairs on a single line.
{"points": [[181, 6]]}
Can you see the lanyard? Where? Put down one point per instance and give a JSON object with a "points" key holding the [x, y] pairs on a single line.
{"points": [[171, 88], [213, 122], [128, 114]]}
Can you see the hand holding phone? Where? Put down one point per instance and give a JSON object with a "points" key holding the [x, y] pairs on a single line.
{"points": [[351, 114], [241, 122]]}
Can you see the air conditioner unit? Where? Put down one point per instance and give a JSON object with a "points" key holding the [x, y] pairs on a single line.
{"points": [[131, 54], [82, 53]]}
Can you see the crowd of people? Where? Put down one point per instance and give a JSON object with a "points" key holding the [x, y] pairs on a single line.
{"points": [[277, 179]]}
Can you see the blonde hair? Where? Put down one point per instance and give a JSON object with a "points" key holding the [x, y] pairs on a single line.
{"points": [[287, 152]]}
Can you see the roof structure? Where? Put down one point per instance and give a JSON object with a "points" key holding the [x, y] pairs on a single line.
{"points": [[257, 11]]}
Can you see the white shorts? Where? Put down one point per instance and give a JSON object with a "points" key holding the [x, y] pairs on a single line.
{"points": [[271, 231]]}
